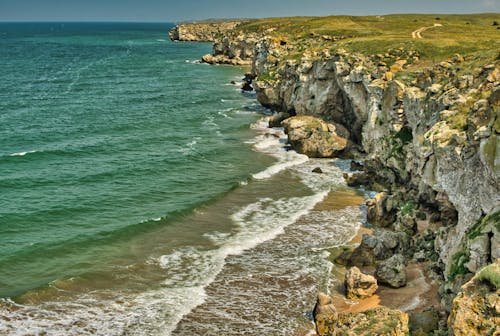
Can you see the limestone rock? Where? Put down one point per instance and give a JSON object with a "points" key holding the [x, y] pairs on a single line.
{"points": [[381, 321], [392, 271], [325, 315], [476, 309], [201, 31], [380, 210], [359, 285], [313, 137], [380, 246]]}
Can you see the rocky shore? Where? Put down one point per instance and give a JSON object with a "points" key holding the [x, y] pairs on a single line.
{"points": [[422, 130]]}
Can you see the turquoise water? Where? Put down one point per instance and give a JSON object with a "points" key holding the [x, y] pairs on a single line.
{"points": [[103, 128], [142, 194]]}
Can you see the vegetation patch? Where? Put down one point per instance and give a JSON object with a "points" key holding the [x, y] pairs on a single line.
{"points": [[491, 275], [477, 229], [407, 208], [458, 265]]}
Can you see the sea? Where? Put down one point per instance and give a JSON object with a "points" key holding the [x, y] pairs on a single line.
{"points": [[142, 193]]}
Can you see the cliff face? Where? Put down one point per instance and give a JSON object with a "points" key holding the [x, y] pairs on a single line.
{"points": [[232, 48], [437, 138], [430, 137], [202, 31]]}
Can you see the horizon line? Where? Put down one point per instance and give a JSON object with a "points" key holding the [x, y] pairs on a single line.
{"points": [[230, 18]]}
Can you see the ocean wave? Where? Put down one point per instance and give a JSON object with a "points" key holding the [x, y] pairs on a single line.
{"points": [[258, 222], [288, 161], [272, 142], [189, 147], [23, 153]]}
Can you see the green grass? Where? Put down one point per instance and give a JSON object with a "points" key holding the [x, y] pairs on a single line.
{"points": [[469, 35]]}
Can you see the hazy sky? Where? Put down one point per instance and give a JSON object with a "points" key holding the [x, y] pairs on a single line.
{"points": [[172, 11]]}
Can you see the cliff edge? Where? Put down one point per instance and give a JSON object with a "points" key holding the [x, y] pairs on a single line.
{"points": [[420, 107]]}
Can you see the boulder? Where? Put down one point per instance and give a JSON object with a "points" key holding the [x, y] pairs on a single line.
{"points": [[381, 210], [476, 309], [314, 137], [357, 179], [392, 271], [317, 170], [359, 285], [325, 315], [380, 246], [247, 87]]}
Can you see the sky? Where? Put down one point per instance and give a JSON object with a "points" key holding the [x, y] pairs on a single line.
{"points": [[184, 10]]}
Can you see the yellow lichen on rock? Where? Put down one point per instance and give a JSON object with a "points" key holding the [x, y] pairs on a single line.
{"points": [[476, 309]]}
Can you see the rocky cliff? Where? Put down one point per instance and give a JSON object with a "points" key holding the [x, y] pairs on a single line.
{"points": [[435, 139], [205, 31], [426, 123]]}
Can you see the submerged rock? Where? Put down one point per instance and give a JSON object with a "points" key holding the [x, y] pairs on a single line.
{"points": [[317, 170], [359, 285], [314, 137], [392, 271], [476, 309]]}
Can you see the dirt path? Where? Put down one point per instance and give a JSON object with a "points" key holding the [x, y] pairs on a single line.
{"points": [[417, 34]]}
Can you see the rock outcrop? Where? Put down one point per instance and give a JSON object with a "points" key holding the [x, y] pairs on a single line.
{"points": [[314, 137], [325, 314], [392, 271], [205, 31], [429, 139], [381, 210], [380, 321], [476, 309], [359, 285]]}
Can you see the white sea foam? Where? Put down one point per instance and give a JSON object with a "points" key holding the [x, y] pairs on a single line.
{"points": [[23, 153], [272, 142], [257, 222], [190, 147], [287, 162]]}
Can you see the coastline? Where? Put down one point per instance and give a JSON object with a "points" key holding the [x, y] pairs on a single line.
{"points": [[418, 129]]}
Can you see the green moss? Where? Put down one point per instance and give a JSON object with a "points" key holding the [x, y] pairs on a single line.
{"points": [[490, 274], [458, 265], [477, 229], [267, 76], [407, 208]]}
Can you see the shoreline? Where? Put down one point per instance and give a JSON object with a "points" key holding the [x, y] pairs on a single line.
{"points": [[416, 296], [424, 119]]}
